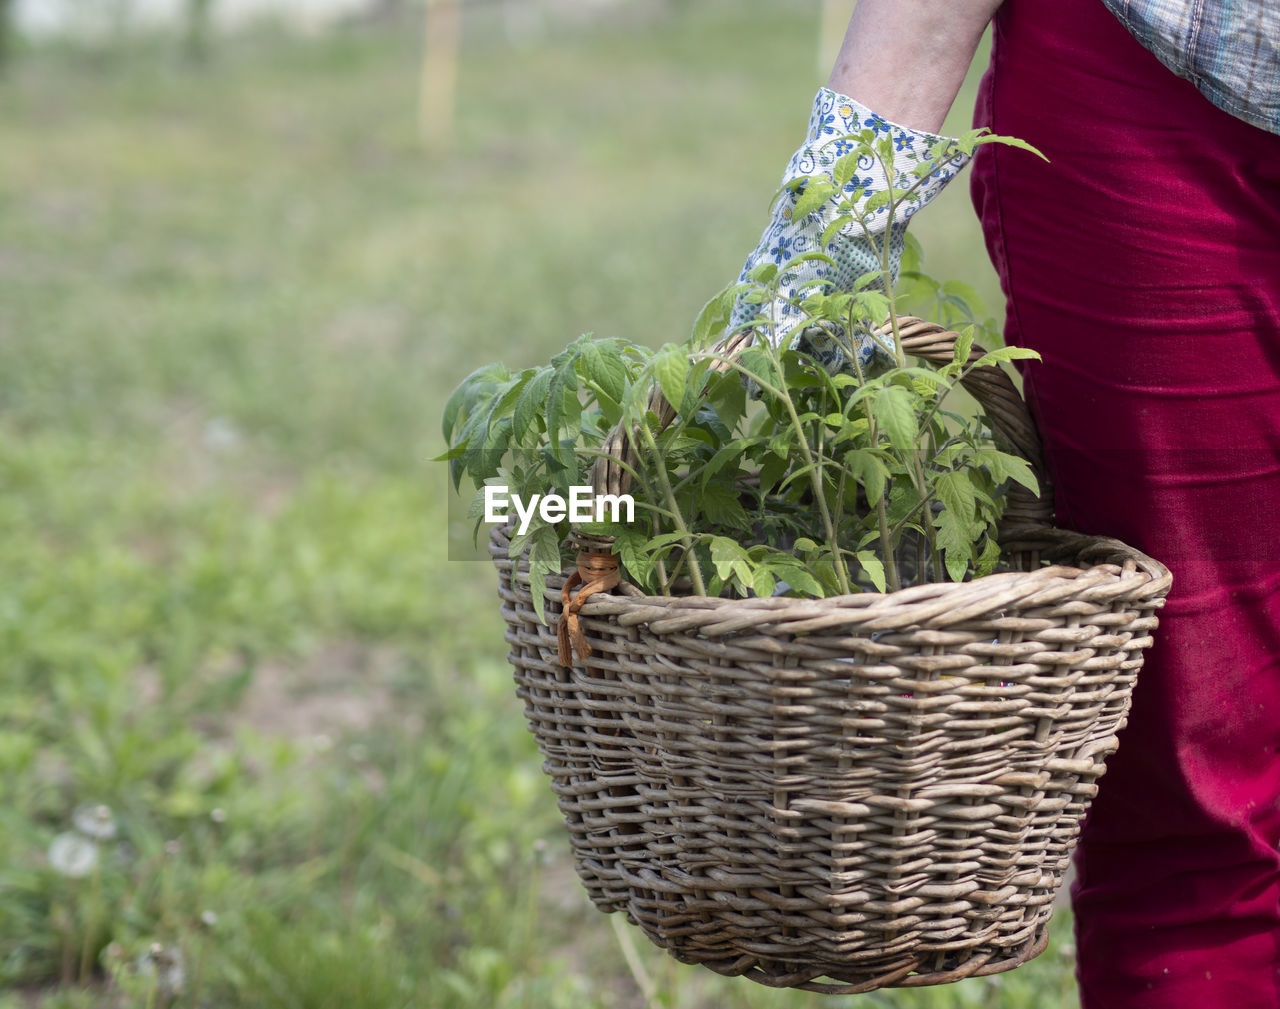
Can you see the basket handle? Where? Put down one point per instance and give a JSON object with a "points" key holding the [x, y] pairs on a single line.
{"points": [[1011, 420]]}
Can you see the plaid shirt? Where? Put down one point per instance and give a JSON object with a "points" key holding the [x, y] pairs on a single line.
{"points": [[1230, 49]]}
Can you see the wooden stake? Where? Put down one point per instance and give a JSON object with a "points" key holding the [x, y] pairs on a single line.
{"points": [[835, 19], [439, 73]]}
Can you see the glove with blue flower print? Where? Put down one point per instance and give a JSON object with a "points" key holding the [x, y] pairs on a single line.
{"points": [[854, 249]]}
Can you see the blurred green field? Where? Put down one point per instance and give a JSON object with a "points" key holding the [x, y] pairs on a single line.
{"points": [[233, 297]]}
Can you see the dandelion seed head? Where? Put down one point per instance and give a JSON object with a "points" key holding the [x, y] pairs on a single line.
{"points": [[95, 820], [218, 815], [209, 918], [166, 966], [73, 855], [220, 435]]}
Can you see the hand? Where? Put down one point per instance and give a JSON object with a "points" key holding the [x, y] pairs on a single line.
{"points": [[858, 247]]}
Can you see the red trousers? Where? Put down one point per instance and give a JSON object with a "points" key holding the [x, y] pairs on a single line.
{"points": [[1143, 263]]}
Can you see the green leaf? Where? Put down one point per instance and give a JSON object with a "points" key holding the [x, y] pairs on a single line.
{"points": [[995, 138], [965, 293], [610, 409], [721, 506], [635, 402], [499, 436], [867, 468], [874, 567], [475, 509], [467, 388], [797, 577], [602, 363], [845, 168], [1003, 354], [796, 474], [852, 430], [989, 558], [475, 459], [544, 560], [1004, 466], [763, 583], [894, 410], [812, 257], [934, 378], [532, 402], [714, 317], [730, 560], [728, 398], [630, 547], [771, 469], [730, 452], [964, 345], [877, 200], [816, 192], [912, 255], [954, 541], [904, 499], [757, 363], [563, 385], [822, 568], [671, 368], [956, 494], [678, 444], [664, 540], [834, 228]]}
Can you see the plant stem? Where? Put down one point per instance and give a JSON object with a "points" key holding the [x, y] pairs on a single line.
{"points": [[664, 584], [902, 522], [815, 479], [886, 544], [926, 500], [937, 403], [893, 582], [898, 353], [530, 911], [91, 925], [638, 974], [842, 483], [773, 390], [686, 538], [922, 485]]}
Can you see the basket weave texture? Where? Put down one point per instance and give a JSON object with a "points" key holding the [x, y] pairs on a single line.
{"points": [[842, 794]]}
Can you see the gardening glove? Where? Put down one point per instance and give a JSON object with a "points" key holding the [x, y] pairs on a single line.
{"points": [[855, 250]]}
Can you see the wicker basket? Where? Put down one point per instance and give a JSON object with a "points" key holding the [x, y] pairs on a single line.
{"points": [[849, 793]]}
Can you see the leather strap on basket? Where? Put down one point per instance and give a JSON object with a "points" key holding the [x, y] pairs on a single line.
{"points": [[596, 572]]}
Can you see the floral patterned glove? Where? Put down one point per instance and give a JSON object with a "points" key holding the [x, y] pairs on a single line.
{"points": [[855, 249]]}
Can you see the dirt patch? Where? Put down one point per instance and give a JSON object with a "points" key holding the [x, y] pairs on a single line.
{"points": [[340, 688]]}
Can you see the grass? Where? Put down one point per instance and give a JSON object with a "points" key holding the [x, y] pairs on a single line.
{"points": [[235, 295]]}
